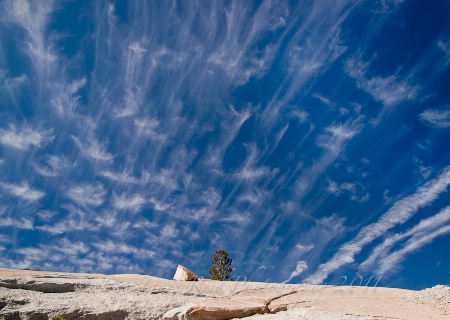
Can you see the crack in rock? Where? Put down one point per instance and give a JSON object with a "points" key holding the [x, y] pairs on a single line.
{"points": [[46, 287]]}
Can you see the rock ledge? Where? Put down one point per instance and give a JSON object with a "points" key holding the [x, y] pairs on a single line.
{"points": [[33, 295]]}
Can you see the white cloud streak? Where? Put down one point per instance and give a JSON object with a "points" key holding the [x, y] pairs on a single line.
{"points": [[23, 191], [236, 55], [25, 224], [250, 170], [123, 177], [53, 166], [133, 202], [436, 118], [149, 128], [445, 47], [169, 231], [299, 268], [333, 141], [239, 219], [65, 98], [33, 17], [399, 213], [390, 90], [121, 248], [87, 194], [25, 137], [92, 149], [391, 262], [355, 191], [382, 260], [12, 85], [46, 215]]}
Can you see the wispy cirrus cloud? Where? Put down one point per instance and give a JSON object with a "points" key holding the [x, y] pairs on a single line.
{"points": [[253, 196], [239, 219], [392, 261], [74, 218], [436, 118], [46, 215], [236, 54], [72, 223], [11, 83], [387, 6], [445, 47], [132, 202], [356, 191], [299, 268], [110, 246], [4, 239], [11, 86], [399, 213], [231, 125], [70, 248], [173, 121], [336, 135], [169, 231], [384, 259], [390, 90], [65, 99], [53, 166], [322, 99], [87, 194], [24, 137], [92, 149], [60, 256], [33, 17], [23, 223], [23, 191], [148, 127], [316, 45], [56, 228], [333, 141], [56, 88], [250, 169], [123, 177]]}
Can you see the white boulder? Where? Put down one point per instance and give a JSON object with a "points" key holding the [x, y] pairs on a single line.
{"points": [[184, 274]]}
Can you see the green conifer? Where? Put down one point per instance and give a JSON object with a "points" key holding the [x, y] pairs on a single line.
{"points": [[220, 266]]}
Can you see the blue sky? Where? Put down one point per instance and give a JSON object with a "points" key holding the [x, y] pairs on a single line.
{"points": [[310, 139]]}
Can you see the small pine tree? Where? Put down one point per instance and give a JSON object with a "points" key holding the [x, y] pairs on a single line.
{"points": [[220, 266]]}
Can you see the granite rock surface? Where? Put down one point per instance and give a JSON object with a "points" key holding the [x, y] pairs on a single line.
{"points": [[35, 295]]}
